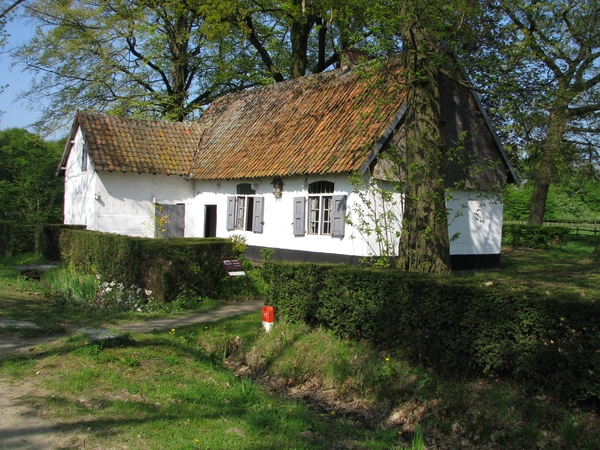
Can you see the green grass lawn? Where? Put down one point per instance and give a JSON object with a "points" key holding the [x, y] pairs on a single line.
{"points": [[230, 385]]}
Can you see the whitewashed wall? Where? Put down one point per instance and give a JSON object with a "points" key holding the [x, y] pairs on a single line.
{"points": [[125, 201], [476, 218], [278, 214], [80, 187]]}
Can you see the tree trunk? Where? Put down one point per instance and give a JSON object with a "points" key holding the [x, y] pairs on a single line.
{"points": [[551, 150], [300, 27], [424, 244], [596, 253]]}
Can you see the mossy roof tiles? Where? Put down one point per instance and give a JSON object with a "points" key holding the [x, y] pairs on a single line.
{"points": [[324, 123], [129, 145], [319, 124]]}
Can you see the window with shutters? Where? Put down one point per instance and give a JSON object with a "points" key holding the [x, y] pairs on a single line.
{"points": [[245, 210], [320, 201]]}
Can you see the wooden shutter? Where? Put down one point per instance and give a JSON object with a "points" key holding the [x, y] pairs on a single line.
{"points": [[338, 216], [173, 222], [230, 213], [299, 212], [257, 214], [176, 223]]}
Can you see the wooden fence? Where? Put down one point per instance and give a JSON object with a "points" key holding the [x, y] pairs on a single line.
{"points": [[592, 227]]}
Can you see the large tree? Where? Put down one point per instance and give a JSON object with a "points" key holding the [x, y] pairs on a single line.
{"points": [[546, 73], [294, 37], [29, 191], [427, 32], [168, 59], [424, 245], [148, 58]]}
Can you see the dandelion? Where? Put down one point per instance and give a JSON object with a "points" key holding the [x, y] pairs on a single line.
{"points": [[387, 359]]}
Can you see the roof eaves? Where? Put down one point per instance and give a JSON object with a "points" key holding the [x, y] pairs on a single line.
{"points": [[68, 145], [488, 123], [383, 139]]}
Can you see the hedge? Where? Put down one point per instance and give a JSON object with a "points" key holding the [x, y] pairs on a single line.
{"points": [[458, 327], [167, 267], [42, 239], [533, 236]]}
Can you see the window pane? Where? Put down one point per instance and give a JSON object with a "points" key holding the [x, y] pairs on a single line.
{"points": [[245, 189], [321, 187]]}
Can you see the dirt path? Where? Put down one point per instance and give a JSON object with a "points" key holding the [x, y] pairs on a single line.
{"points": [[22, 427]]}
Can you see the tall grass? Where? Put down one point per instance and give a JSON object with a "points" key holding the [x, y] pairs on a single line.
{"points": [[68, 284]]}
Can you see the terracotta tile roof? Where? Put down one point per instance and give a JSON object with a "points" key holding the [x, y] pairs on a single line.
{"points": [[129, 145], [324, 123]]}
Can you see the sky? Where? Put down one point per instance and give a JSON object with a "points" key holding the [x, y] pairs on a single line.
{"points": [[16, 114]]}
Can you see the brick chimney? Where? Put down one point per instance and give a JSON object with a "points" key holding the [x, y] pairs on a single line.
{"points": [[352, 56]]}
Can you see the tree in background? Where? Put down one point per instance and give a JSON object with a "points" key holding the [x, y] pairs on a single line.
{"points": [[147, 59], [543, 66], [294, 37], [29, 191], [167, 59]]}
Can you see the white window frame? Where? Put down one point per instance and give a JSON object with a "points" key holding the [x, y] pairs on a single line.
{"points": [[245, 210], [319, 214]]}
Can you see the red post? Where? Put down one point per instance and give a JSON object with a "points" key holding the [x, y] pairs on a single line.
{"points": [[268, 317]]}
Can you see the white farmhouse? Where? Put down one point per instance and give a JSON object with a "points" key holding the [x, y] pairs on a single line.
{"points": [[274, 165]]}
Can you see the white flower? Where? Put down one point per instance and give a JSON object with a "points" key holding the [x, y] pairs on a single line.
{"points": [[147, 292]]}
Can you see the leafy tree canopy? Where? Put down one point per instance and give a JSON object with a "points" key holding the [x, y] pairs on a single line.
{"points": [[542, 63], [29, 191], [149, 59]]}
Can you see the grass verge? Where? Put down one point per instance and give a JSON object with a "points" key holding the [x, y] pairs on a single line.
{"points": [[230, 385]]}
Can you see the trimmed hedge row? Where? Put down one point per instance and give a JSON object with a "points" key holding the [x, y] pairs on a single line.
{"points": [[450, 323], [167, 267], [533, 236], [42, 239]]}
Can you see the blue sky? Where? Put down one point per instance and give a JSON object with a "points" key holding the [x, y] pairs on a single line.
{"points": [[17, 114]]}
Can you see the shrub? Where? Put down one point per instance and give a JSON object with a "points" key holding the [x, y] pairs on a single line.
{"points": [[533, 236], [164, 266]]}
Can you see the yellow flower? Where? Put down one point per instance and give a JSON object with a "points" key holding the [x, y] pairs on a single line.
{"points": [[333, 413], [387, 359]]}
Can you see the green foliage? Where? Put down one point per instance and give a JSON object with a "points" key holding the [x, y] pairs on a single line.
{"points": [[43, 239], [167, 267], [456, 325], [533, 236], [146, 60], [29, 191], [569, 200], [376, 220]]}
